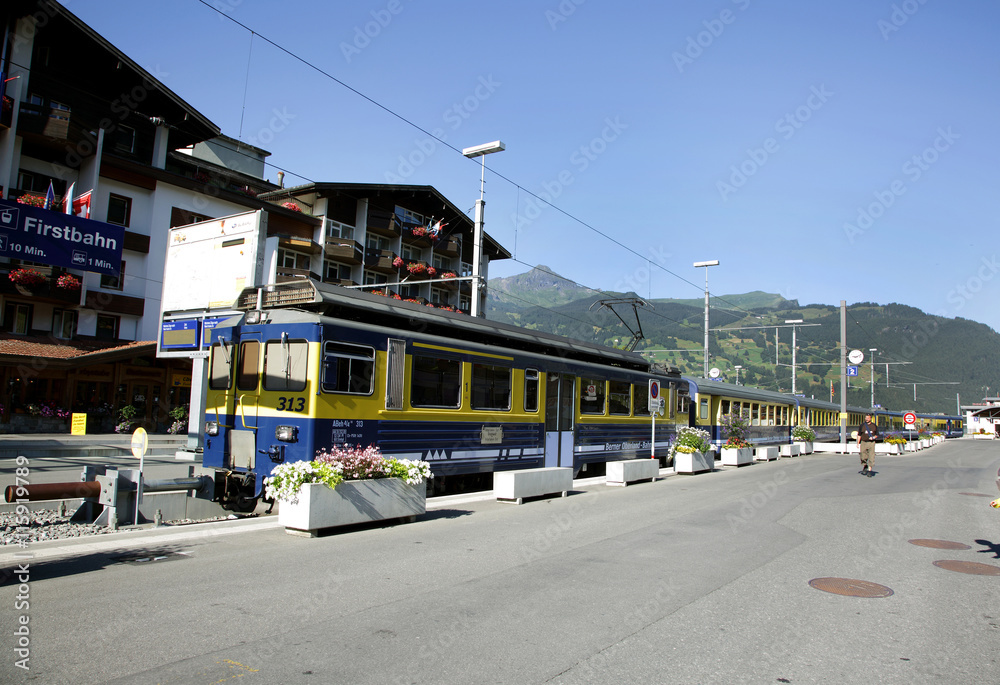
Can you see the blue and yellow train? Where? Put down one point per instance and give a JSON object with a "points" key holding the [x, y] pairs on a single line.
{"points": [[306, 366]]}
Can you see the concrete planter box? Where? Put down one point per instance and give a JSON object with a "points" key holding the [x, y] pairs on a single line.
{"points": [[514, 486], [737, 456], [911, 447], [790, 450], [804, 446], [982, 436], [765, 453], [696, 462], [882, 448], [631, 470], [353, 501]]}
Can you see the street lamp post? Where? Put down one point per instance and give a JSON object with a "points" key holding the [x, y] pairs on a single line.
{"points": [[871, 359], [737, 367], [712, 262], [477, 239], [793, 322]]}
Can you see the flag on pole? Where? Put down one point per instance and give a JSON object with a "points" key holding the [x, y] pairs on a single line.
{"points": [[435, 231], [50, 197], [81, 205], [68, 199]]}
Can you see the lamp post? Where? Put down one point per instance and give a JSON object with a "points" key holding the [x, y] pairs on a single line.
{"points": [[793, 322], [871, 359], [712, 262], [477, 239], [737, 367]]}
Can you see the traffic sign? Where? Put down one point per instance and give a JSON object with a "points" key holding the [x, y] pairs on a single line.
{"points": [[654, 391], [909, 418], [140, 443], [852, 371]]}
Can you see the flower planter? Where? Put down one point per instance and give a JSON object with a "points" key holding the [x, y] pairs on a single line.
{"points": [[737, 456], [695, 462], [765, 453], [886, 448], [982, 436], [924, 443], [351, 502], [805, 447]]}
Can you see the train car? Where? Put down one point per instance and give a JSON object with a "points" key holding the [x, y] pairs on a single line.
{"points": [[307, 366], [823, 418], [772, 414]]}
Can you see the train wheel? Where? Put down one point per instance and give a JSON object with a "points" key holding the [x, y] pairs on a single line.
{"points": [[244, 505]]}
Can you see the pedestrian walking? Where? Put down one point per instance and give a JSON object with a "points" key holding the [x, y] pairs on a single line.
{"points": [[867, 435]]}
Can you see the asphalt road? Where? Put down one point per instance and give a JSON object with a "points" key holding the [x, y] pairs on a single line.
{"points": [[693, 579]]}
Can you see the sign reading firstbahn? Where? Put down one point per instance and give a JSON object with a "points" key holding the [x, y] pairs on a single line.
{"points": [[47, 237]]}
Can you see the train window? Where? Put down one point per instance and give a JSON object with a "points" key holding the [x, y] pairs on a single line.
{"points": [[220, 366], [285, 365], [348, 368], [531, 390], [703, 408], [724, 407], [769, 418], [754, 414], [491, 387], [591, 396], [641, 394], [249, 360], [620, 398], [435, 382]]}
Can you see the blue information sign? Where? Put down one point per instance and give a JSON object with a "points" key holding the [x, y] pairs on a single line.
{"points": [[207, 325], [47, 237], [852, 371], [180, 334]]}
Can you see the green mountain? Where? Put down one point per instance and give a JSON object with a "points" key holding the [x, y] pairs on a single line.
{"points": [[923, 362]]}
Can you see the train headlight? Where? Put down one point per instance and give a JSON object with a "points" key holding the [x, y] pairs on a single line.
{"points": [[211, 428], [286, 433]]}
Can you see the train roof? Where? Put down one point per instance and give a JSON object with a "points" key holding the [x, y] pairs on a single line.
{"points": [[354, 305], [707, 386]]}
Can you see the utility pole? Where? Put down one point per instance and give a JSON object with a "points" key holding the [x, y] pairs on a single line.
{"points": [[872, 360], [843, 374]]}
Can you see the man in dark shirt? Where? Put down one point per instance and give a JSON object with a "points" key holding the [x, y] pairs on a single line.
{"points": [[867, 435]]}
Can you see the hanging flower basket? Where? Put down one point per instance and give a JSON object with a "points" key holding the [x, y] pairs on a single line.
{"points": [[68, 282], [292, 206], [416, 268], [398, 263], [419, 231], [27, 277]]}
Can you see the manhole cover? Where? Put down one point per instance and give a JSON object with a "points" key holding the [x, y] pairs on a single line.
{"points": [[850, 587], [971, 567], [939, 544], [975, 494]]}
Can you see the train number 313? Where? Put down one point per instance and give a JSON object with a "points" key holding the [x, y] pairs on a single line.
{"points": [[291, 404]]}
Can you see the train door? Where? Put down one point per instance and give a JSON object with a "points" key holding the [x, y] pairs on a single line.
{"points": [[245, 401], [560, 401]]}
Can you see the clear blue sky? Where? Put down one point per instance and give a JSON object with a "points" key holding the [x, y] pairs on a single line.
{"points": [[825, 151]]}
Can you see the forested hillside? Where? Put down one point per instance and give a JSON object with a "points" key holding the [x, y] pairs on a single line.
{"points": [[923, 362]]}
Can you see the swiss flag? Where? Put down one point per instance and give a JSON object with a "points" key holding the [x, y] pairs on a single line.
{"points": [[81, 205]]}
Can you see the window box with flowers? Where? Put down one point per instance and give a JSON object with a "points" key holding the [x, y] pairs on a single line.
{"points": [[27, 277], [31, 200], [417, 269], [68, 282], [346, 486], [291, 206]]}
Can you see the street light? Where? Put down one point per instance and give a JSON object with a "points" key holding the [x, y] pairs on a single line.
{"points": [[737, 367], [711, 262], [793, 322], [871, 359], [477, 238]]}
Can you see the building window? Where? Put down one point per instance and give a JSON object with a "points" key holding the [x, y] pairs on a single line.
{"points": [[123, 138], [412, 254], [17, 318], [63, 324], [335, 271], [409, 218], [119, 210], [335, 229], [114, 282], [107, 327], [372, 278], [289, 259], [378, 242]]}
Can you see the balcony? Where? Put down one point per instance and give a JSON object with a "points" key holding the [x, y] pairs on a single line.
{"points": [[383, 223], [344, 251], [416, 236], [286, 274], [449, 247], [43, 120], [380, 261]]}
